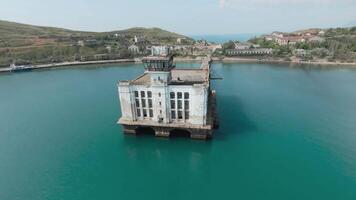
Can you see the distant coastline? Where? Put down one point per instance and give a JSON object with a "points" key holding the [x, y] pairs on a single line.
{"points": [[192, 59]]}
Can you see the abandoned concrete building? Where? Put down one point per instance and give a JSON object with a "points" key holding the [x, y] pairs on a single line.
{"points": [[167, 100]]}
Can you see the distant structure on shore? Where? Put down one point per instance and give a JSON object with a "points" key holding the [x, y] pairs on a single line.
{"points": [[280, 38], [248, 49], [15, 68], [168, 101]]}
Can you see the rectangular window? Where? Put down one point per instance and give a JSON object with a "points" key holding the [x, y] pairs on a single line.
{"points": [[179, 95], [179, 104], [173, 104], [144, 113], [186, 95], [186, 105], [151, 113], [173, 114], [159, 94], [138, 113], [160, 103], [150, 103], [149, 94], [143, 103], [142, 93], [172, 95], [186, 113], [137, 103], [136, 94], [180, 114]]}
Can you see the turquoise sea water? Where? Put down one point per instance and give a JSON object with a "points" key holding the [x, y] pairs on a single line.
{"points": [[286, 133], [226, 37]]}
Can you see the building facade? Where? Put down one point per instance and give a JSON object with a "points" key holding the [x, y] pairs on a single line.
{"points": [[167, 99], [160, 50], [134, 49], [249, 52]]}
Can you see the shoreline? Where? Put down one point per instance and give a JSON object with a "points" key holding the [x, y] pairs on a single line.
{"points": [[76, 63], [189, 59], [275, 61]]}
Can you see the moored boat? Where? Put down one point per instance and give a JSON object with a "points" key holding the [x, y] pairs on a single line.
{"points": [[15, 68]]}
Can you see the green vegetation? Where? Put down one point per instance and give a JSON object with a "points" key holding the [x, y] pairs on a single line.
{"points": [[338, 45], [27, 44]]}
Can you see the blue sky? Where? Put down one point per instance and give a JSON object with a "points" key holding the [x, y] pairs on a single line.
{"points": [[187, 17]]}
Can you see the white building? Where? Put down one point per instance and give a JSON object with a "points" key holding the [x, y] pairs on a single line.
{"points": [[160, 50], [166, 99], [134, 49], [242, 46], [316, 39]]}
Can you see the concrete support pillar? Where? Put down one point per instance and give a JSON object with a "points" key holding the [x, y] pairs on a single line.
{"points": [[129, 130], [201, 134], [161, 132]]}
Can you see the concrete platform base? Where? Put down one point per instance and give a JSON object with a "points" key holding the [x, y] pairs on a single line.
{"points": [[198, 134]]}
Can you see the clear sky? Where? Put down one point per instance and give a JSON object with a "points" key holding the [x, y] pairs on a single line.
{"points": [[187, 17]]}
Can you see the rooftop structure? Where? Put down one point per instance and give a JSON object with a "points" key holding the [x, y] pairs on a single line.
{"points": [[160, 50], [165, 99]]}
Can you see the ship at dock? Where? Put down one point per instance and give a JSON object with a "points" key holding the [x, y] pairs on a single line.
{"points": [[18, 68]]}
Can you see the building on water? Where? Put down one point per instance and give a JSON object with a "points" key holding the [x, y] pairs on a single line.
{"points": [[168, 101]]}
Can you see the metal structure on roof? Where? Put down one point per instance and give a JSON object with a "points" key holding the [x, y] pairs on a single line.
{"points": [[158, 63]]}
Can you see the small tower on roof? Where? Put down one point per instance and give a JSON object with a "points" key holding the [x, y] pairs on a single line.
{"points": [[159, 68]]}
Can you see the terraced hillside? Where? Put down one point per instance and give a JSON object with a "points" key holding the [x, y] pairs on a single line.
{"points": [[28, 44]]}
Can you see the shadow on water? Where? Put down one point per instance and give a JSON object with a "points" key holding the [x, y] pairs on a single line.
{"points": [[141, 147], [179, 133], [233, 118], [145, 131]]}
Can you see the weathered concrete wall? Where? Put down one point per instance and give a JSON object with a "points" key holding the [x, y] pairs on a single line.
{"points": [[198, 95], [197, 99], [126, 101]]}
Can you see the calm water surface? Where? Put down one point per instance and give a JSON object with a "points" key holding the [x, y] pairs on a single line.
{"points": [[286, 133]]}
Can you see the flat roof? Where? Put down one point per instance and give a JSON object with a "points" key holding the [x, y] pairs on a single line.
{"points": [[179, 77]]}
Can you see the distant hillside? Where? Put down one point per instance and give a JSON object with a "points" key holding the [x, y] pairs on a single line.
{"points": [[17, 30], [333, 45], [23, 43]]}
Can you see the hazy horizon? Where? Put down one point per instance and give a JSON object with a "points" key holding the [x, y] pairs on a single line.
{"points": [[201, 17]]}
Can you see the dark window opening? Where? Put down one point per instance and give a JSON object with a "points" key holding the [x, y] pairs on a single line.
{"points": [[173, 104], [186, 113], [179, 104], [186, 105], [172, 95], [150, 103], [173, 114], [143, 102], [180, 114], [186, 95], [179, 95]]}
